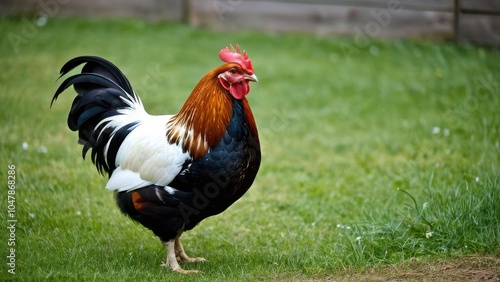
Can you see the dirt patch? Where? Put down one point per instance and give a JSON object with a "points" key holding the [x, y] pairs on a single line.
{"points": [[476, 268]]}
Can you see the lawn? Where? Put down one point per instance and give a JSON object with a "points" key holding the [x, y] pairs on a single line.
{"points": [[374, 155]]}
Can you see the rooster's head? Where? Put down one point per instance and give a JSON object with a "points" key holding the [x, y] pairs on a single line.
{"points": [[239, 72]]}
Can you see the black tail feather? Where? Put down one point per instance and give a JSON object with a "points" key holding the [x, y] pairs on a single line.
{"points": [[100, 66], [102, 91]]}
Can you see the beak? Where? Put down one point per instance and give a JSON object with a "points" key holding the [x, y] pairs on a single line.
{"points": [[252, 77]]}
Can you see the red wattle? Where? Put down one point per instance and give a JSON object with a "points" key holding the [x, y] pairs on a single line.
{"points": [[240, 90]]}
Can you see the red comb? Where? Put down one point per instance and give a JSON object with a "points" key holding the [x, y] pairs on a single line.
{"points": [[230, 55]]}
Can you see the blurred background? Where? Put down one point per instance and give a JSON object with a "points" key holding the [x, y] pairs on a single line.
{"points": [[471, 21]]}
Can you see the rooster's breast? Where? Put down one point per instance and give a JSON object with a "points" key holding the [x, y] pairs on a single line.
{"points": [[224, 173]]}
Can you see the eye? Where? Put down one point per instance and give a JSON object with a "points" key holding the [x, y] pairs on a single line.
{"points": [[233, 71]]}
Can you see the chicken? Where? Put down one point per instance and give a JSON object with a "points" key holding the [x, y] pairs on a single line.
{"points": [[168, 172]]}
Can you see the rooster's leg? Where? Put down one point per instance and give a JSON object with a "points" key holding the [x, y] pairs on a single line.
{"points": [[172, 260], [179, 252]]}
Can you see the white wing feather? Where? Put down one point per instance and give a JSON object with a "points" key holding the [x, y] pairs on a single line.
{"points": [[146, 157]]}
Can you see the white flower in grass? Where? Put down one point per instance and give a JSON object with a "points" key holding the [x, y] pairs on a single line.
{"points": [[78, 213], [446, 132], [25, 145], [436, 130], [428, 234], [358, 238], [41, 21], [425, 205], [343, 226], [477, 178], [42, 150]]}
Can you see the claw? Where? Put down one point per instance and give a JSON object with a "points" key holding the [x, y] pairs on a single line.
{"points": [[188, 259], [178, 268]]}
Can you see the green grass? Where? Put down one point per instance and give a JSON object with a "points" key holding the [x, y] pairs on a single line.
{"points": [[355, 172]]}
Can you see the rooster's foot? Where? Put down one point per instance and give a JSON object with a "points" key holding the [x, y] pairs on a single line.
{"points": [[180, 254], [171, 261]]}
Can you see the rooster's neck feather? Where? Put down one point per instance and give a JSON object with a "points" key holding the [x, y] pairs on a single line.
{"points": [[202, 121]]}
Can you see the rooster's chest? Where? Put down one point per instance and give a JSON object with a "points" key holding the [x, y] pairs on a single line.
{"points": [[228, 169]]}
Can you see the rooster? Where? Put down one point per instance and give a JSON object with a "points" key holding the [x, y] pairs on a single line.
{"points": [[168, 172]]}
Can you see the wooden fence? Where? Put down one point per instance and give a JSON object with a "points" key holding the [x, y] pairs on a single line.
{"points": [[474, 21]]}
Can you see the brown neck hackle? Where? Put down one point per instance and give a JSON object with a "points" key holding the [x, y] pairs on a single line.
{"points": [[202, 121]]}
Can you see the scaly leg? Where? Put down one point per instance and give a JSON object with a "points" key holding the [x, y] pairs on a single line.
{"points": [[172, 260], [179, 252]]}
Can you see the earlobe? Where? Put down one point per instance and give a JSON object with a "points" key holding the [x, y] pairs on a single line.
{"points": [[224, 82]]}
